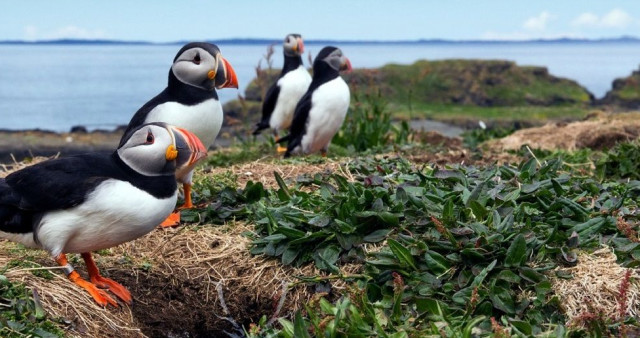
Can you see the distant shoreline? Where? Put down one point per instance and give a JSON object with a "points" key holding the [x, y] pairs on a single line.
{"points": [[252, 41]]}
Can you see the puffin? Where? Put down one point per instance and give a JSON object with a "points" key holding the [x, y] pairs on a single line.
{"points": [[280, 101], [321, 111], [94, 201], [190, 101]]}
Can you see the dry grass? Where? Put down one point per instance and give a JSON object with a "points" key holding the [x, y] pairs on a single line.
{"points": [[210, 255], [594, 289], [262, 171], [6, 169], [600, 131]]}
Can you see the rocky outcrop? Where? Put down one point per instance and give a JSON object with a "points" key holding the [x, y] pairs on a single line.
{"points": [[625, 92], [472, 82], [483, 83]]}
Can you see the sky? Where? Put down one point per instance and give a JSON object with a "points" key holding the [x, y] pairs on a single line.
{"points": [[167, 21]]}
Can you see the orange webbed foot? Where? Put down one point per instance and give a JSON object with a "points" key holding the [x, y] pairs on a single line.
{"points": [[113, 286], [281, 150], [103, 282], [171, 221], [99, 296]]}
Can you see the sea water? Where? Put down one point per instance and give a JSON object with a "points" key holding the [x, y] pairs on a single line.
{"points": [[55, 87]]}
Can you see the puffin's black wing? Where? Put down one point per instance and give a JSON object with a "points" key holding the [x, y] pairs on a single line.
{"points": [[60, 183], [268, 106], [299, 124]]}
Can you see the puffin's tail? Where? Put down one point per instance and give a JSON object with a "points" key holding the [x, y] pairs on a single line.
{"points": [[11, 218]]}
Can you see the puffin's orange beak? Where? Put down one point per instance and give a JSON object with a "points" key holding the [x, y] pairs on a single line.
{"points": [[299, 48], [346, 65], [189, 147], [225, 76]]}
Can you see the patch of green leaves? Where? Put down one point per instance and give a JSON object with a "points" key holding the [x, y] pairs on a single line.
{"points": [[458, 245], [21, 314], [368, 125]]}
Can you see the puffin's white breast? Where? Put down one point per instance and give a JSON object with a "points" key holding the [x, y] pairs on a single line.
{"points": [[329, 105], [115, 212], [203, 119], [292, 85]]}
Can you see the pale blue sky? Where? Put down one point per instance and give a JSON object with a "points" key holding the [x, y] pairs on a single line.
{"points": [[165, 21]]}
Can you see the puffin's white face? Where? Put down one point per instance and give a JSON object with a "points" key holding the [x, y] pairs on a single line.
{"points": [[293, 45], [199, 68], [338, 61], [159, 149], [196, 67]]}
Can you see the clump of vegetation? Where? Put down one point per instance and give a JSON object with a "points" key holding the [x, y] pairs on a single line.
{"points": [[21, 314], [368, 125], [621, 161], [461, 246]]}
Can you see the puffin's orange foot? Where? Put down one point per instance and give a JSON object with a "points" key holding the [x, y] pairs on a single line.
{"points": [[171, 221], [100, 296], [281, 150], [113, 286]]}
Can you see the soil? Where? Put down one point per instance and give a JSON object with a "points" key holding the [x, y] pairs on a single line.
{"points": [[179, 306]]}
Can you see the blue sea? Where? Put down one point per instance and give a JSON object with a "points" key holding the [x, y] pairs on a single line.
{"points": [[55, 87]]}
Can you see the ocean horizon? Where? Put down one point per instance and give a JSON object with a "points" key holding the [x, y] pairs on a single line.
{"points": [[55, 86]]}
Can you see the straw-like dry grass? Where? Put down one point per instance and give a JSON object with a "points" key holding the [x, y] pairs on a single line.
{"points": [[594, 290]]}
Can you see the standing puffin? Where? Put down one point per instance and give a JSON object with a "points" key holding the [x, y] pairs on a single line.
{"points": [[190, 101], [322, 109], [281, 98], [90, 202]]}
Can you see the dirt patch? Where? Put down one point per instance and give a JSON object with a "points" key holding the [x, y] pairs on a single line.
{"points": [[599, 131]]}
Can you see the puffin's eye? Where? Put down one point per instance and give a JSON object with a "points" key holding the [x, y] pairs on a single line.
{"points": [[150, 138], [196, 59]]}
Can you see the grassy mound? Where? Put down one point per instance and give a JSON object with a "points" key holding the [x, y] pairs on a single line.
{"points": [[471, 82], [449, 90]]}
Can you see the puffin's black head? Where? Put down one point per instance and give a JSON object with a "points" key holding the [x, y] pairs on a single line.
{"points": [[157, 149], [333, 58], [293, 45], [200, 64]]}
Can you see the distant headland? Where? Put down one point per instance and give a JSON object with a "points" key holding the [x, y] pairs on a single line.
{"points": [[263, 41]]}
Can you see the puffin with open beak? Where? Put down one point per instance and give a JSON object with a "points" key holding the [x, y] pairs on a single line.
{"points": [[89, 202], [321, 111], [190, 101], [280, 101]]}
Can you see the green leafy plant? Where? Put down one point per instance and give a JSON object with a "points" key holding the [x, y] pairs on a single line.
{"points": [[21, 314], [459, 246], [368, 124]]}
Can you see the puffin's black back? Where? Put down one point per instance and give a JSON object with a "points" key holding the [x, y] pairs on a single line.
{"points": [[322, 73], [271, 98], [176, 91], [64, 183]]}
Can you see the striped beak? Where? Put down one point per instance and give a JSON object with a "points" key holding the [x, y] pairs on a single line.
{"points": [[189, 147], [299, 47], [225, 77], [345, 65]]}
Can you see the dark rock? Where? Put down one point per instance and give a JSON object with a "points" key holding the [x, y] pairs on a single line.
{"points": [[79, 129]]}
